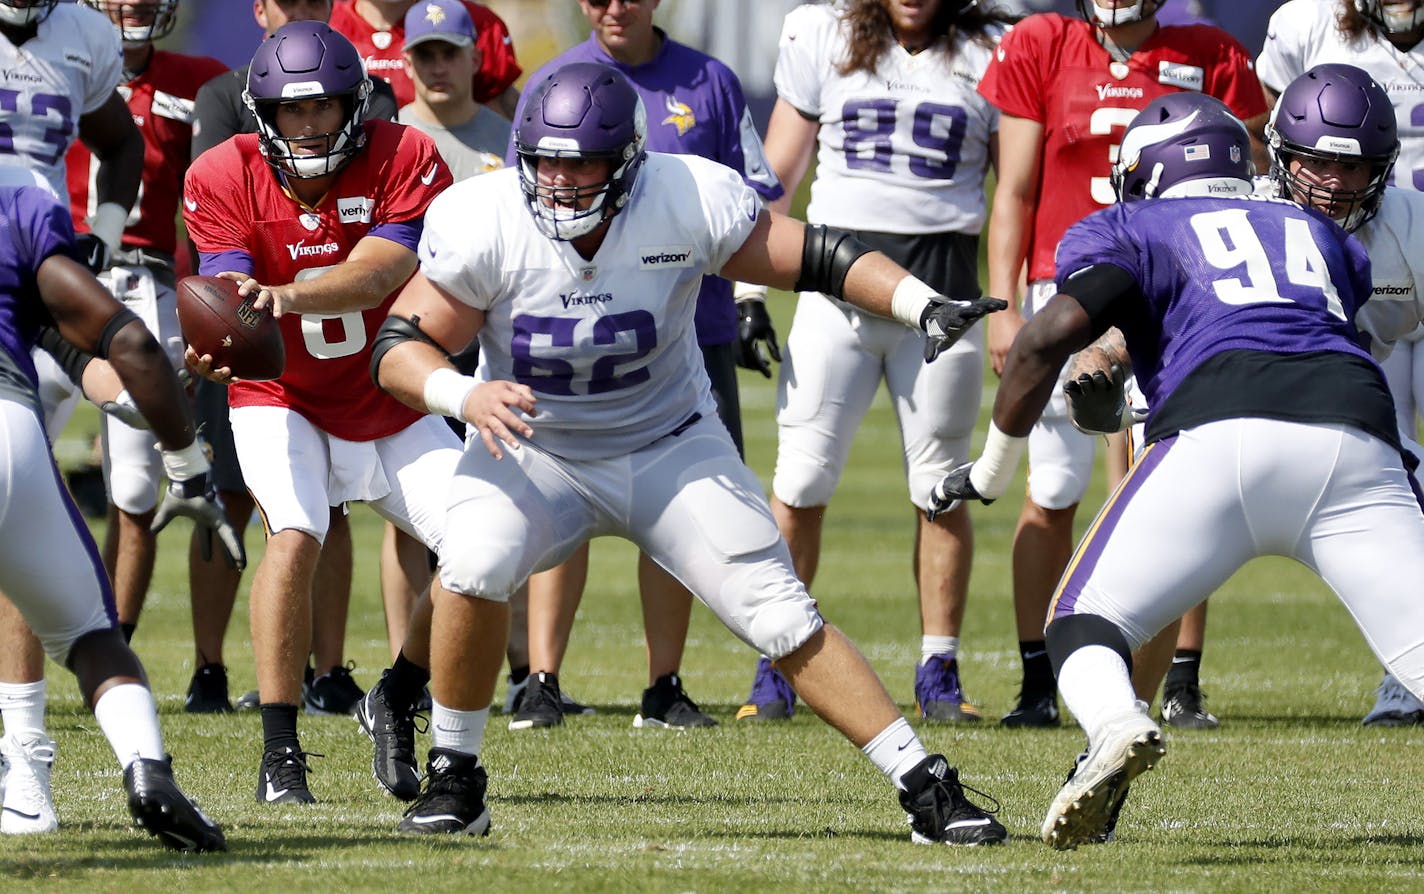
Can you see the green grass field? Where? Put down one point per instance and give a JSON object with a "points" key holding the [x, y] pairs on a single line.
{"points": [[1290, 793]]}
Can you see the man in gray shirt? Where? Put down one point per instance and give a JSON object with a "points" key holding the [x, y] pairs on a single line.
{"points": [[441, 58]]}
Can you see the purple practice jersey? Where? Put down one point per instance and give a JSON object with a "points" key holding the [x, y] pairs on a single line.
{"points": [[33, 226], [695, 107], [1219, 275]]}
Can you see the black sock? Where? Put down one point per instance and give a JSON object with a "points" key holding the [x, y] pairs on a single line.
{"points": [[1037, 668], [128, 631], [279, 727], [1186, 669], [406, 682], [519, 674]]}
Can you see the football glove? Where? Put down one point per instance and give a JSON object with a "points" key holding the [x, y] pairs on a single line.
{"points": [[1097, 401], [944, 320], [92, 252], [196, 498], [756, 337], [956, 486]]}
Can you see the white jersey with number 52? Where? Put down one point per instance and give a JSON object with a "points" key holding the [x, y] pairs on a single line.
{"points": [[68, 69], [607, 343]]}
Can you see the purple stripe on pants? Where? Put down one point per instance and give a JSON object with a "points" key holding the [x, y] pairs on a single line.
{"points": [[1085, 559]]}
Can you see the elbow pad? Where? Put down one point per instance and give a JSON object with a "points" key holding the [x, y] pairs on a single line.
{"points": [[70, 359], [394, 331], [826, 258]]}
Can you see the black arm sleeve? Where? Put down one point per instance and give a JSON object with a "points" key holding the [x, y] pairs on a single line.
{"points": [[1098, 290], [70, 359], [826, 258]]}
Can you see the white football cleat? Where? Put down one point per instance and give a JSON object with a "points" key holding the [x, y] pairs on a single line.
{"points": [[1085, 810], [28, 806]]}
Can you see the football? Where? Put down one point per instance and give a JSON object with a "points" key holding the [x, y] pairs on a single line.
{"points": [[216, 320]]}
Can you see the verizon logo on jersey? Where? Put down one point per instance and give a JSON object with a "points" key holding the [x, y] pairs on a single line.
{"points": [[302, 250], [666, 256], [356, 209], [1188, 77]]}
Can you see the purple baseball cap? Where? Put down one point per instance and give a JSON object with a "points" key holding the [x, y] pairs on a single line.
{"points": [[446, 20]]}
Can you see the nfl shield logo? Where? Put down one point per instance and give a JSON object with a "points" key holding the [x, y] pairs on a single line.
{"points": [[1235, 155], [588, 273]]}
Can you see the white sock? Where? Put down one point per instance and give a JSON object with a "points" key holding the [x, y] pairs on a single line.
{"points": [[129, 719], [1096, 687], [895, 750], [22, 706], [930, 646], [462, 731]]}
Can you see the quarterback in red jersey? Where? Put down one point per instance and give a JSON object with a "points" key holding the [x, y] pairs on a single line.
{"points": [[1066, 89], [318, 216], [377, 28], [159, 89]]}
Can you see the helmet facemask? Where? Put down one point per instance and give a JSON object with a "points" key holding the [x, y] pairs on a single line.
{"points": [[25, 13], [161, 16]]}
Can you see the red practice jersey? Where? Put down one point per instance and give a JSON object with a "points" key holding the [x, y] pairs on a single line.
{"points": [[382, 51], [1051, 69], [240, 218], [161, 102]]}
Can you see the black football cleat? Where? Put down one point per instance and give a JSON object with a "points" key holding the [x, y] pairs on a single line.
{"points": [[158, 805], [939, 812], [391, 729], [282, 778], [454, 797]]}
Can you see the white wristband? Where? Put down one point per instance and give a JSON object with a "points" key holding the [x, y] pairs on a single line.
{"points": [[748, 291], [185, 463], [107, 222], [910, 300], [994, 470], [445, 393]]}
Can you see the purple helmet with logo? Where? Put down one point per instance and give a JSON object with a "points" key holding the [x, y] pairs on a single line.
{"points": [[308, 60], [1394, 16], [583, 110], [1334, 113], [25, 12], [1121, 15], [1183, 144]]}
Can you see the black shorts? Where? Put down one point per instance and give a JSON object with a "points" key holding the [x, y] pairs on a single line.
{"points": [[721, 364], [210, 411]]}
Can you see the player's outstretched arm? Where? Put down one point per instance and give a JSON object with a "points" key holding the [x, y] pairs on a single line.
{"points": [[410, 360], [1030, 373], [89, 318], [109, 133], [787, 254], [374, 269]]}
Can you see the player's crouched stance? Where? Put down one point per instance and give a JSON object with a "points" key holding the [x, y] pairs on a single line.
{"points": [[49, 564], [586, 313], [1271, 432]]}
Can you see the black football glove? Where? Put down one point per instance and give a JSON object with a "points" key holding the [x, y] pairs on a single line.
{"points": [[756, 337], [1097, 401], [92, 252], [196, 498], [955, 486], [944, 320]]}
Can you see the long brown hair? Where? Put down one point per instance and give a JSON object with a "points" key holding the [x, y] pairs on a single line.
{"points": [[871, 32]]}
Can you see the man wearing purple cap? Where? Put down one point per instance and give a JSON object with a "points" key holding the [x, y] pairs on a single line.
{"points": [[441, 58]]}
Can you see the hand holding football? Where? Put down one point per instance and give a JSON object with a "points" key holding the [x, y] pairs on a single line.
{"points": [[216, 320]]}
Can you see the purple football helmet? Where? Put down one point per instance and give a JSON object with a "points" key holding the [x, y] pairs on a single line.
{"points": [[152, 19], [1123, 15], [1334, 113], [307, 60], [583, 110], [1183, 144], [1394, 16], [20, 13]]}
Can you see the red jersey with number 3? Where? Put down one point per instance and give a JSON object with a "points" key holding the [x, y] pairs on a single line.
{"points": [[161, 102], [382, 51], [1051, 69], [238, 214]]}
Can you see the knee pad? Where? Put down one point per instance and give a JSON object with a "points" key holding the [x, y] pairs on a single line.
{"points": [[478, 573], [779, 628], [802, 482], [1068, 634], [133, 488]]}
